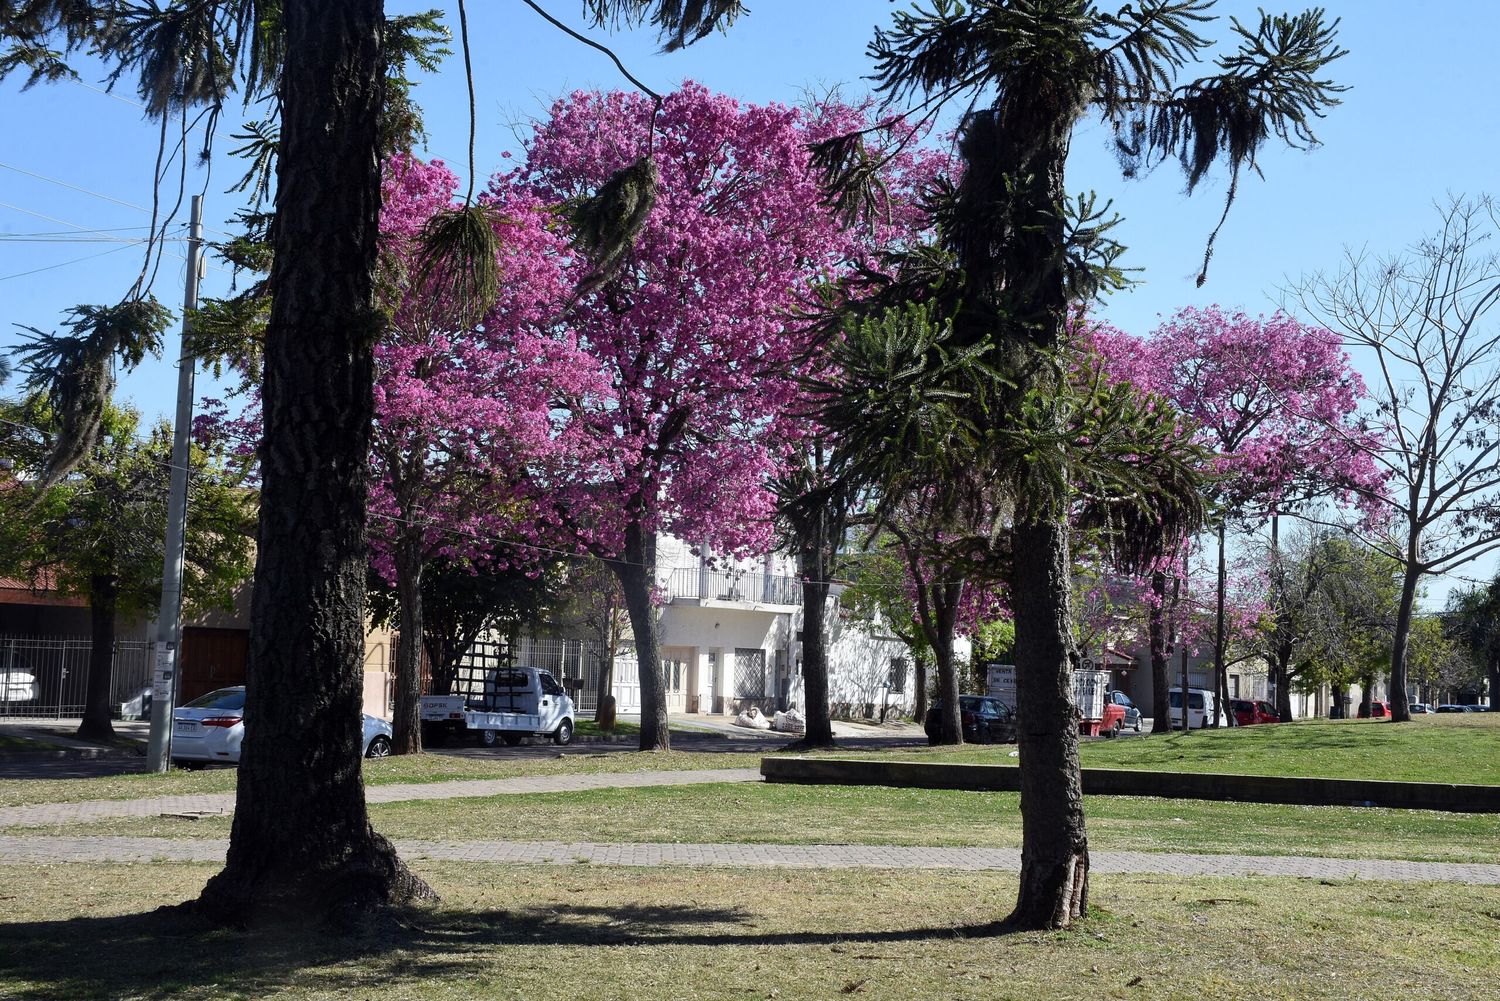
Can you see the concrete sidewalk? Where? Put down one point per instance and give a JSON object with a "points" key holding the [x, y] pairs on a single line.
{"points": [[110, 850], [49, 814]]}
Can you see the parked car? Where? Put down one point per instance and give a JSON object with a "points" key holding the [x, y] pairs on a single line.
{"points": [[1451, 708], [985, 720], [1375, 710], [1420, 708], [1248, 712], [1132, 718], [18, 683], [1202, 707], [211, 727]]}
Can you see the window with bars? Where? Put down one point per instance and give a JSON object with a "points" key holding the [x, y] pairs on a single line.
{"points": [[749, 673]]}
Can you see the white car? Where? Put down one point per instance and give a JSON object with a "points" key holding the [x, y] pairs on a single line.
{"points": [[211, 727], [18, 684]]}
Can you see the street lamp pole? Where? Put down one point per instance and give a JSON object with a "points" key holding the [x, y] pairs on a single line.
{"points": [[169, 616]]}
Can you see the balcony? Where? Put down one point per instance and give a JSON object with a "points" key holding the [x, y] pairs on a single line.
{"points": [[742, 588]]}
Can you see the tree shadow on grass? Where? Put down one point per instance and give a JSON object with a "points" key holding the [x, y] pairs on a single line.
{"points": [[170, 953]]}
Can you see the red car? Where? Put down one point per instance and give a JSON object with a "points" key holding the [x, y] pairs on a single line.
{"points": [[1248, 712], [1376, 710]]}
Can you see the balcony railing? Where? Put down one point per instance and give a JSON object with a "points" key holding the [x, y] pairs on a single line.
{"points": [[745, 586]]}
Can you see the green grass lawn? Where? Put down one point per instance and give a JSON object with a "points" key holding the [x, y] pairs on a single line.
{"points": [[76, 932], [419, 768], [797, 814], [1448, 748], [21, 745]]}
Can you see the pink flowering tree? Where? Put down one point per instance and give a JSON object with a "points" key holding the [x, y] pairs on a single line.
{"points": [[459, 408], [1264, 393], [692, 328]]}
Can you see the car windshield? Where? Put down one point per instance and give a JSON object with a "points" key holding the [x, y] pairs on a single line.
{"points": [[224, 698]]}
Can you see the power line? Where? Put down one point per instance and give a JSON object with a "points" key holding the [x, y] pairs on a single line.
{"points": [[79, 260], [73, 187]]}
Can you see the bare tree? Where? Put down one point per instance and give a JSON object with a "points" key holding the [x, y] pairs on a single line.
{"points": [[1424, 315]]}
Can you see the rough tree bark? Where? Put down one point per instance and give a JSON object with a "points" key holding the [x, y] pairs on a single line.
{"points": [[919, 692], [1400, 704], [636, 571], [945, 603], [1009, 243], [1054, 842], [1160, 632], [301, 844], [1221, 673], [406, 721], [103, 595], [815, 652]]}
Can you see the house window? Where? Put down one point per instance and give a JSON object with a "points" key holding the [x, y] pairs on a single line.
{"points": [[1234, 686], [897, 676], [749, 673]]}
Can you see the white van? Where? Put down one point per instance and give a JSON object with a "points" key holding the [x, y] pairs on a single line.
{"points": [[1202, 707]]}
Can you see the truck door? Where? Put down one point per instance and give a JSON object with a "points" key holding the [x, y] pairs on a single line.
{"points": [[551, 705]]}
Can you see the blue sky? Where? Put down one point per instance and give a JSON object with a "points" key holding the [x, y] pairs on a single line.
{"points": [[1418, 122]]}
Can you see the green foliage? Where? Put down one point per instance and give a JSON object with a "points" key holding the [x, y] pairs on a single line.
{"points": [[458, 260], [74, 372], [462, 600], [680, 22], [1351, 613], [106, 519], [605, 225]]}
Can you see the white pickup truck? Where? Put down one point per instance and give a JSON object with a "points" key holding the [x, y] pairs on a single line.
{"points": [[514, 702]]}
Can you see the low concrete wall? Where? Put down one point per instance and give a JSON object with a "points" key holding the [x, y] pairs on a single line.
{"points": [[1127, 782]]}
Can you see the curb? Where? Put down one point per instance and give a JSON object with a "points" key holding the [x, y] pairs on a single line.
{"points": [[1288, 790]]}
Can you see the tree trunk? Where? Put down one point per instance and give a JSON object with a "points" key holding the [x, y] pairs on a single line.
{"points": [[815, 658], [1400, 704], [1187, 723], [406, 722], [301, 844], [1494, 681], [603, 692], [1054, 842], [1366, 696], [1221, 674], [103, 592], [637, 574], [944, 609], [1161, 648], [919, 694]]}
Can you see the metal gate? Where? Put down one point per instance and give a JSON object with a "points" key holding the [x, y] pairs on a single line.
{"points": [[47, 676]]}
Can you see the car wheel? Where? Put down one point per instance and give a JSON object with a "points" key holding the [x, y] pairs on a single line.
{"points": [[563, 734], [1120, 725], [489, 738], [380, 747], [511, 739], [1137, 724]]}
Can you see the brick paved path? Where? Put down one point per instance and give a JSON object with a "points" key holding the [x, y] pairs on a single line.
{"points": [[112, 849], [48, 814]]}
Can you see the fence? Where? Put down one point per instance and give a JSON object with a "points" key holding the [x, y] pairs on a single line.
{"points": [[574, 663], [749, 586], [47, 676]]}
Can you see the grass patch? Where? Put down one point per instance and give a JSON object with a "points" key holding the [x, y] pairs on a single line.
{"points": [[21, 745], [588, 728], [78, 932], [797, 814], [1461, 748], [418, 768]]}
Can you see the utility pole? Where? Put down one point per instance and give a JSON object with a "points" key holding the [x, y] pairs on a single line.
{"points": [[169, 616]]}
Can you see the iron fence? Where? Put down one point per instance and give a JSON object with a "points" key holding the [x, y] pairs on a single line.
{"points": [[47, 676], [749, 586]]}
